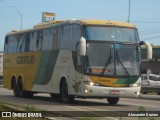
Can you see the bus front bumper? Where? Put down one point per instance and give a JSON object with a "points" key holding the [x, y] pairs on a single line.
{"points": [[103, 92]]}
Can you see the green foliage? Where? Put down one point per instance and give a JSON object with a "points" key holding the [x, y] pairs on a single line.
{"points": [[142, 109], [30, 108]]}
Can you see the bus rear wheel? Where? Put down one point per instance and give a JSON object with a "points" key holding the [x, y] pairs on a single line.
{"points": [[66, 98], [20, 89], [28, 94], [113, 100], [21, 92], [15, 90]]}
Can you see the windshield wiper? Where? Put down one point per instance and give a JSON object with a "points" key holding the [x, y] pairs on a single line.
{"points": [[119, 60], [107, 63]]}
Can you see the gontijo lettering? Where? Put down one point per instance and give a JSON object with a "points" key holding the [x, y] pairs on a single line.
{"points": [[25, 60]]}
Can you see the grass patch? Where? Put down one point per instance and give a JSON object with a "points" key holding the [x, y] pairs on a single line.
{"points": [[30, 108], [1, 107], [27, 108], [24, 109], [143, 109]]}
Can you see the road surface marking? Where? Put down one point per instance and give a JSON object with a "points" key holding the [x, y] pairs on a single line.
{"points": [[92, 111], [138, 104]]}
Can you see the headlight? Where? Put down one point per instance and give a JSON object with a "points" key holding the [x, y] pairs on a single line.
{"points": [[91, 83], [135, 85]]}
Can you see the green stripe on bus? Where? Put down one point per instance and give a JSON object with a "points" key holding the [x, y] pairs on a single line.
{"points": [[46, 67], [128, 81]]}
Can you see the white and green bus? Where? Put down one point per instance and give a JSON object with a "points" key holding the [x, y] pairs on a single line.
{"points": [[75, 58]]}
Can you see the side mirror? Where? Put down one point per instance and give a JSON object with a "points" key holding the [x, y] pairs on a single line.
{"points": [[82, 46], [149, 49]]}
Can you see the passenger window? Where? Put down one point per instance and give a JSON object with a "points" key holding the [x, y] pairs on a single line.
{"points": [[6, 45], [76, 35], [21, 43], [56, 38], [39, 40], [12, 44], [27, 42], [65, 37], [47, 43], [33, 37]]}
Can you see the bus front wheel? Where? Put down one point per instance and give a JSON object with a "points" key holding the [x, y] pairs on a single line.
{"points": [[55, 96], [113, 100], [66, 98]]}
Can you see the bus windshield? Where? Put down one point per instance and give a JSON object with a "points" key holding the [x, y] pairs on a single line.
{"points": [[115, 59], [103, 33], [112, 51]]}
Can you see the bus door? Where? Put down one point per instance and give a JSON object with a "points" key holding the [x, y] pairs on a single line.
{"points": [[79, 71], [78, 60]]}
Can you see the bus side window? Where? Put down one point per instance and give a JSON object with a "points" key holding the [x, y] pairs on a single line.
{"points": [[76, 35], [12, 44], [21, 43], [33, 36], [39, 40], [47, 43], [65, 38], [6, 45], [18, 41], [55, 38], [27, 42]]}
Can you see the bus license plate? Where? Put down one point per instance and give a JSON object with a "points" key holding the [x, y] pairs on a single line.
{"points": [[114, 92]]}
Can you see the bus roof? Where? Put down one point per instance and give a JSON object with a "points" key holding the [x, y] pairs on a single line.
{"points": [[107, 23], [89, 22], [83, 22]]}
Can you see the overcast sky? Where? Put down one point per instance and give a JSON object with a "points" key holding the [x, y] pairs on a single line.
{"points": [[145, 14]]}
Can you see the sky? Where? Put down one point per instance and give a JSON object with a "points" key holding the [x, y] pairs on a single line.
{"points": [[145, 14]]}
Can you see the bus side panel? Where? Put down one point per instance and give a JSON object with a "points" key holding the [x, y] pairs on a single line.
{"points": [[21, 65], [58, 64], [43, 79]]}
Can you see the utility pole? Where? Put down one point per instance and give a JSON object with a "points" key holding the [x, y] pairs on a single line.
{"points": [[129, 10], [19, 14]]}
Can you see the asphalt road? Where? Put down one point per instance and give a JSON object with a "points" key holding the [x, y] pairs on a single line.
{"points": [[98, 106]]}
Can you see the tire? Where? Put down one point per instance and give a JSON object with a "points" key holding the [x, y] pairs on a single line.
{"points": [[15, 90], [113, 100], [20, 88], [66, 98], [55, 96], [28, 94]]}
